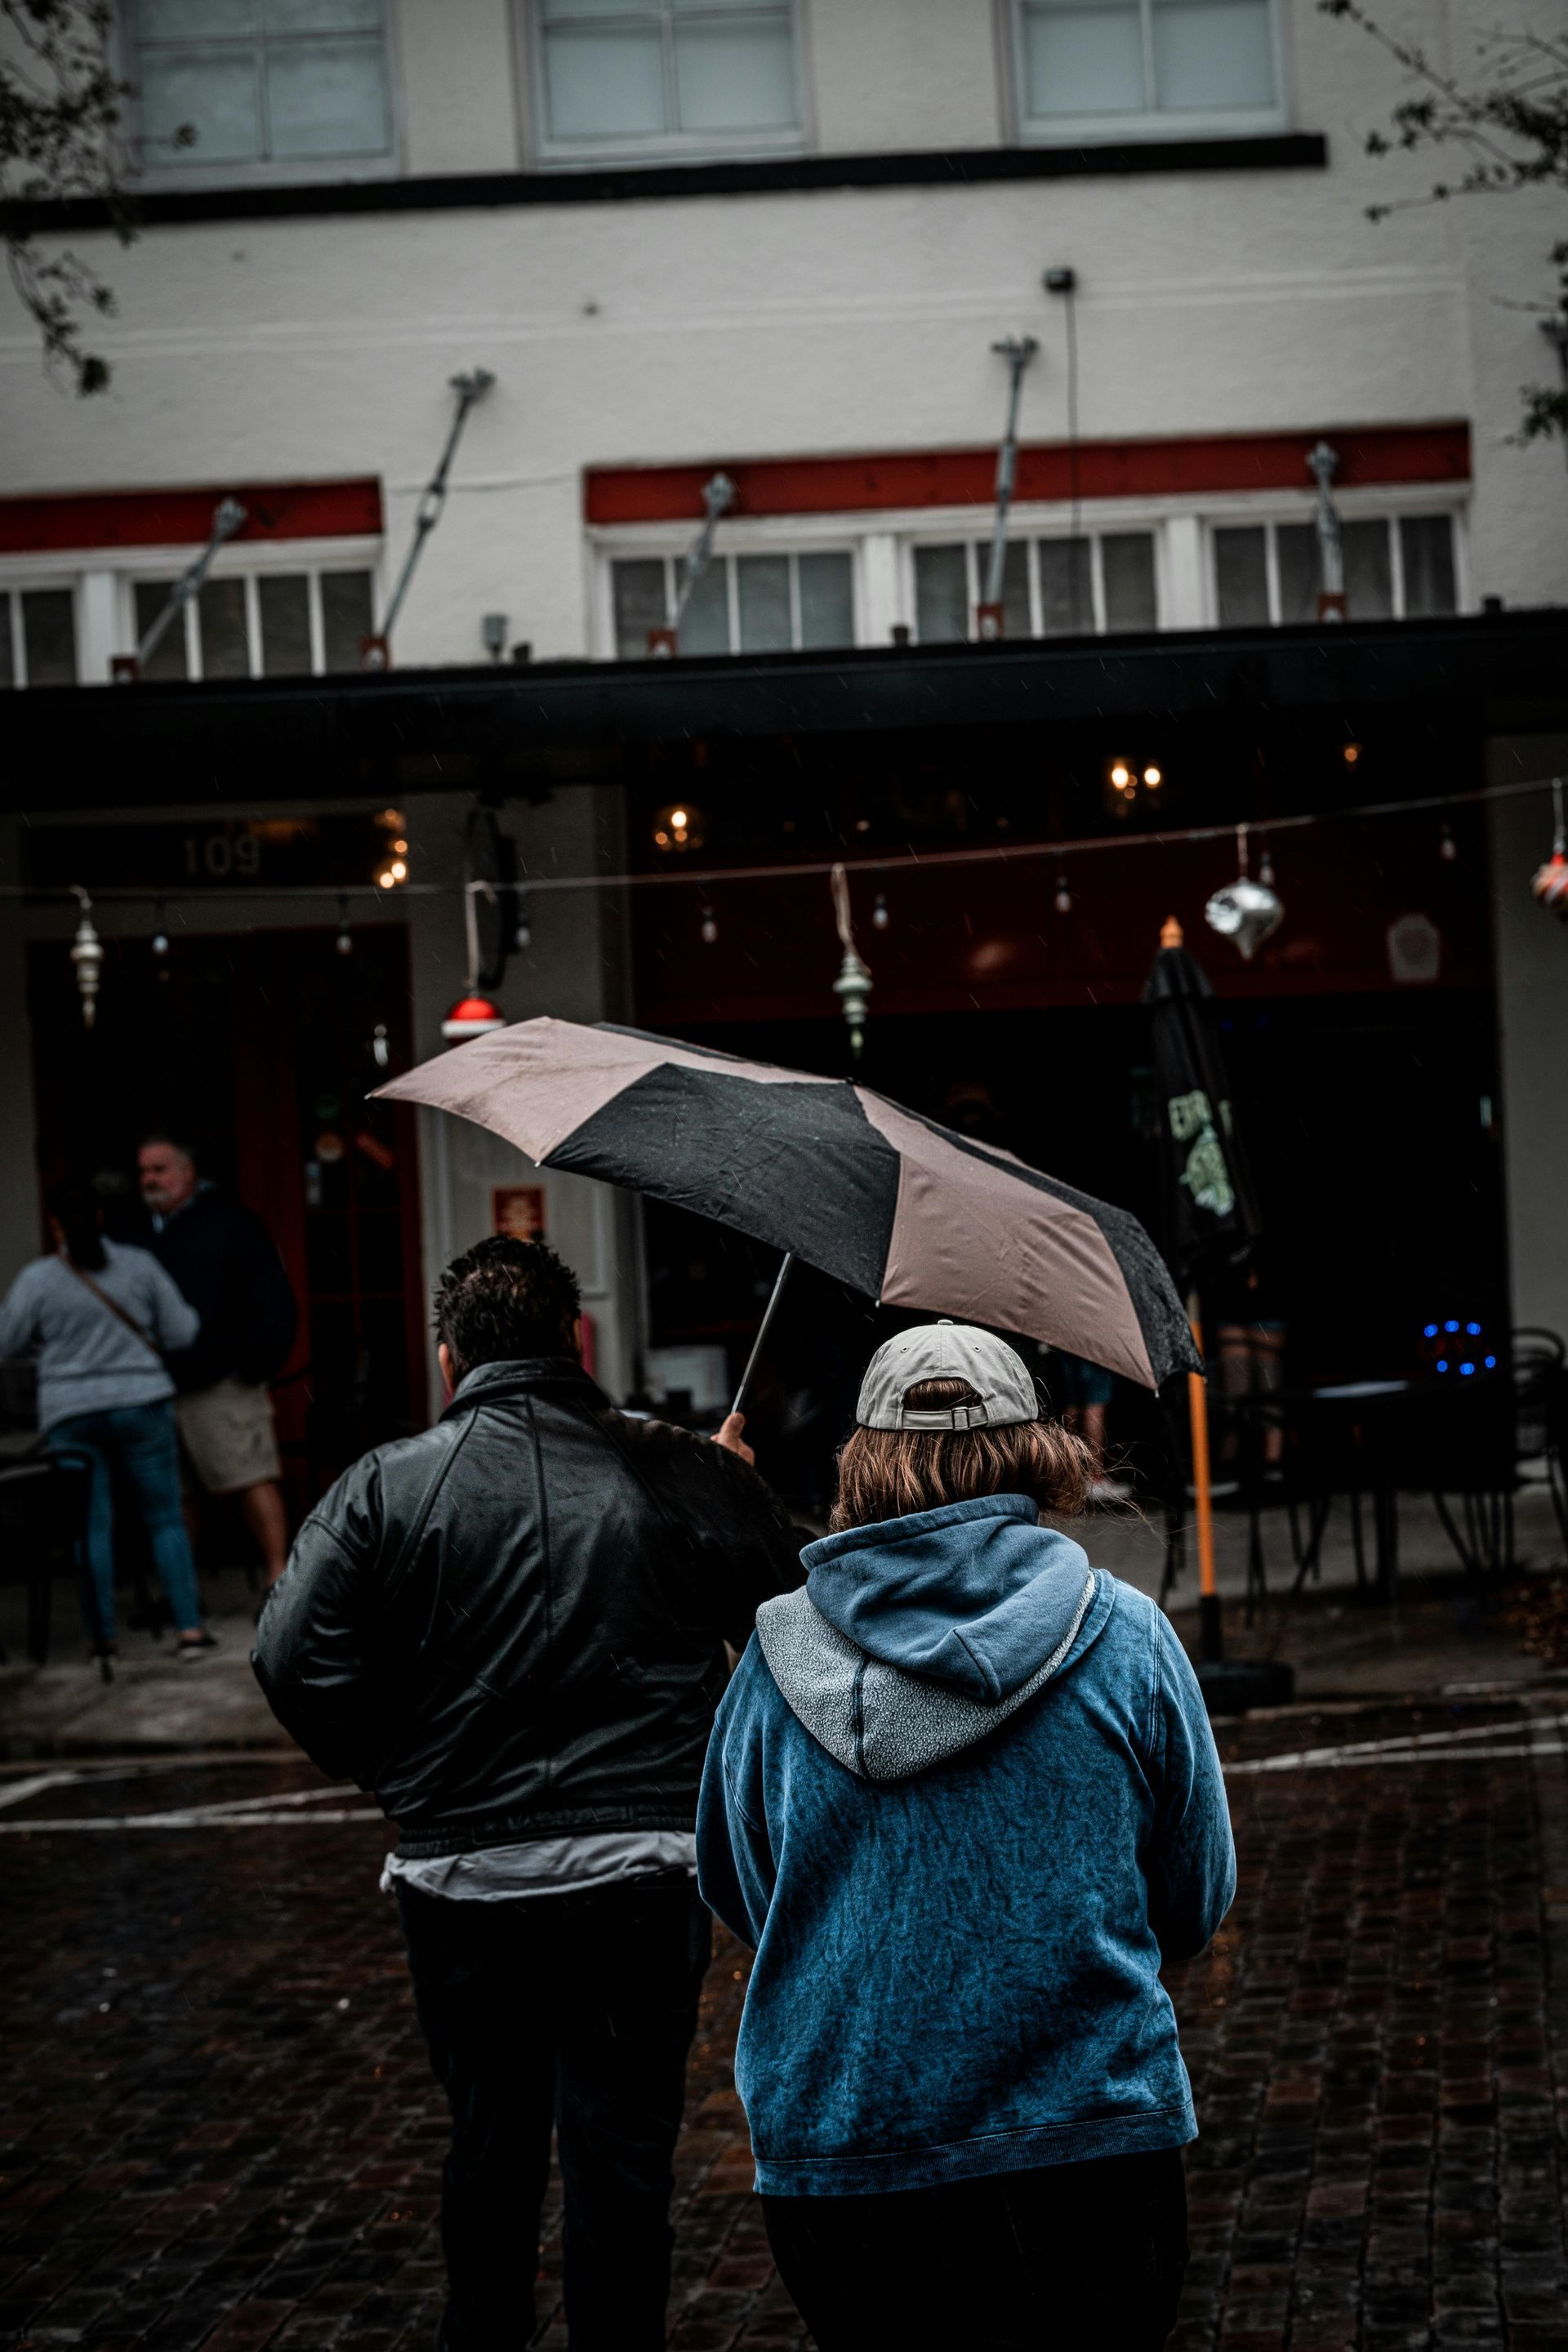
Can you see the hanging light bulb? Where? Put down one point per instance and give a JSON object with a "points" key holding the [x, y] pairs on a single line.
{"points": [[1245, 911], [87, 955], [710, 927], [344, 944], [1550, 883], [1063, 899], [880, 914], [380, 1050], [1448, 847], [853, 985], [522, 931], [160, 936], [1266, 869]]}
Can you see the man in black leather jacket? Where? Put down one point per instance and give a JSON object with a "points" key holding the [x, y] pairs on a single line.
{"points": [[510, 1629]]}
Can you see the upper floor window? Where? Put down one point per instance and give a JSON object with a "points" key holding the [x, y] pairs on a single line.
{"points": [[1395, 568], [291, 84], [258, 624], [1050, 587], [665, 77], [741, 605], [38, 636], [1158, 68]]}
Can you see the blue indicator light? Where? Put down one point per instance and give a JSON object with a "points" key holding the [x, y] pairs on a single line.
{"points": [[1491, 1364], [1474, 1329], [1443, 1364], [1430, 1332], [1450, 1326], [1467, 1368]]}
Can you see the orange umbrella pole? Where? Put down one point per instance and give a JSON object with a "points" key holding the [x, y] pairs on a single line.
{"points": [[1211, 1639]]}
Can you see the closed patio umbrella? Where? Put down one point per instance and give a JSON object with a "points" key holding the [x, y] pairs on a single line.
{"points": [[1209, 1211], [893, 1204]]}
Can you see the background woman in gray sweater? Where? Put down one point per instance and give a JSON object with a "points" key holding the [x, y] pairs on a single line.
{"points": [[98, 1316]]}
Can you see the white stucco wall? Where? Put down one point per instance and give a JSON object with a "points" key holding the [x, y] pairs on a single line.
{"points": [[793, 323]]}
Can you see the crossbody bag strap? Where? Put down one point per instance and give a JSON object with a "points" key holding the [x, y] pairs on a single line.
{"points": [[120, 1313]]}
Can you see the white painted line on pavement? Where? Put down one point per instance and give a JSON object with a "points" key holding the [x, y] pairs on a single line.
{"points": [[1479, 1740]]}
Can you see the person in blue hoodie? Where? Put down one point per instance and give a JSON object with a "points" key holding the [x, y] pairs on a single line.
{"points": [[963, 1801]]}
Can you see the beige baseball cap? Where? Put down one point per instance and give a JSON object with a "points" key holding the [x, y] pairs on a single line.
{"points": [[947, 1351]]}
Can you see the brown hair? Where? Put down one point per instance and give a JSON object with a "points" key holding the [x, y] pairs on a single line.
{"points": [[886, 1474]]}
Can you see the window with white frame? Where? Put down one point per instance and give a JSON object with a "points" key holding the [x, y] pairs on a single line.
{"points": [[1085, 586], [1396, 568], [1160, 67], [242, 84], [38, 636], [258, 624], [665, 77], [742, 603]]}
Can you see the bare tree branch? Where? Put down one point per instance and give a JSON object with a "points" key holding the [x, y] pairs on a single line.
{"points": [[1511, 130], [60, 112]]}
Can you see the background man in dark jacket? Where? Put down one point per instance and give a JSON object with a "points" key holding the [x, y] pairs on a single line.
{"points": [[512, 1630], [226, 1264]]}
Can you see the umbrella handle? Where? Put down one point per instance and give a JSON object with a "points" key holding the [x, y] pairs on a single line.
{"points": [[761, 1340]]}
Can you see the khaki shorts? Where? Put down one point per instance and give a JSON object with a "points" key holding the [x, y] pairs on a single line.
{"points": [[226, 1437]]}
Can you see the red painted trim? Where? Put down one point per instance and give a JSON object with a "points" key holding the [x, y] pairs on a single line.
{"points": [[959, 478], [180, 517]]}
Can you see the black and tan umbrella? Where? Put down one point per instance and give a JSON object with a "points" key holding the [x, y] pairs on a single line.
{"points": [[883, 1200]]}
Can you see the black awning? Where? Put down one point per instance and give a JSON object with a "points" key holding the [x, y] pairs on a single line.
{"points": [[282, 739]]}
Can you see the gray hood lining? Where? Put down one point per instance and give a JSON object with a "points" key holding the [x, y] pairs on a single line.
{"points": [[875, 1720]]}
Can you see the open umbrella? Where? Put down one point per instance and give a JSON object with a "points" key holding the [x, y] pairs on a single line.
{"points": [[825, 1171]]}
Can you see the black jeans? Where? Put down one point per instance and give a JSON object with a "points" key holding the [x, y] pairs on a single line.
{"points": [[576, 2010], [1073, 2258]]}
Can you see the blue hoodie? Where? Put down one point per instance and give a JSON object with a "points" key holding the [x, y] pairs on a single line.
{"points": [[962, 1799]]}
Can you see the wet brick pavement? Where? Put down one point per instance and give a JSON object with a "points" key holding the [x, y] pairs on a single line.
{"points": [[219, 2129]]}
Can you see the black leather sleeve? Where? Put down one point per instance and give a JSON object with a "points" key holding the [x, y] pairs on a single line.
{"points": [[735, 1545], [313, 1643]]}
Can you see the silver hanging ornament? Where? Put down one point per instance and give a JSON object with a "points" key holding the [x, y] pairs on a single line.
{"points": [[1550, 881], [87, 955], [853, 985], [1245, 911]]}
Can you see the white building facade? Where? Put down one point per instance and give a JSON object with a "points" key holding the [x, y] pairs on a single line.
{"points": [[778, 239], [689, 235]]}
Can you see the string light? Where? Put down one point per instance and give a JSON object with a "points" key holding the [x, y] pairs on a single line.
{"points": [[1063, 901], [344, 944], [880, 914], [710, 927], [160, 934], [1448, 847]]}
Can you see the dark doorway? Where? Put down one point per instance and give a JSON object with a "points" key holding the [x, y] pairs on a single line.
{"points": [[260, 1049]]}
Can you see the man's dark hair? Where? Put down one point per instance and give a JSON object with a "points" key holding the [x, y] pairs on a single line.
{"points": [[166, 1135], [506, 1298]]}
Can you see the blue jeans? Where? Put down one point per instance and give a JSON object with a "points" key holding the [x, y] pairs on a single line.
{"points": [[138, 1439]]}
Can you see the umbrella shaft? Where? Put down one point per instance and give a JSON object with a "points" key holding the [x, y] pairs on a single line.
{"points": [[761, 1340]]}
